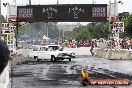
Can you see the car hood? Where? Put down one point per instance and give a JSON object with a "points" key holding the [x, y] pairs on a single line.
{"points": [[66, 51]]}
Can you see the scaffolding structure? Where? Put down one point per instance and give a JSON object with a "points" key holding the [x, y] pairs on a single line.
{"points": [[8, 35]]}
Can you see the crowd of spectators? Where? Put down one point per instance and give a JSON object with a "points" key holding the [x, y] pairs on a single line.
{"points": [[124, 43]]}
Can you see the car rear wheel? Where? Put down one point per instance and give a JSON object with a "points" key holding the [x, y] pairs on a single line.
{"points": [[69, 59], [36, 58]]}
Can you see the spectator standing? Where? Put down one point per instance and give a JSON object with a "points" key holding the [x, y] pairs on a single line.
{"points": [[92, 47], [4, 55]]}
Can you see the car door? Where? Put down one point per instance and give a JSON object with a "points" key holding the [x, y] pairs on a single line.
{"points": [[49, 52], [42, 53]]}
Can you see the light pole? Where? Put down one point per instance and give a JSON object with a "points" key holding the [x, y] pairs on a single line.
{"points": [[93, 2], [92, 20], [29, 2], [59, 33], [58, 25], [47, 28], [57, 2], [63, 34], [109, 14], [47, 32], [0, 20], [116, 33]]}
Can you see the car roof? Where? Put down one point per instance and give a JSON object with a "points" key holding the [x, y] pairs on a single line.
{"points": [[45, 46], [52, 45]]}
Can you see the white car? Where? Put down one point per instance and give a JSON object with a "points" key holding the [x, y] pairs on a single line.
{"points": [[51, 52]]}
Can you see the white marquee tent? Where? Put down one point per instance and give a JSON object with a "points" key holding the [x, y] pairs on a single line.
{"points": [[46, 38]]}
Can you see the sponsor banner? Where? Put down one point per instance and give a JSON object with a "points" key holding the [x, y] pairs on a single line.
{"points": [[62, 13], [118, 26]]}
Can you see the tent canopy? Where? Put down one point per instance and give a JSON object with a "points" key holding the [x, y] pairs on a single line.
{"points": [[44, 37]]}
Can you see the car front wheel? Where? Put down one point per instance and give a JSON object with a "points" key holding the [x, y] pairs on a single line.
{"points": [[36, 58], [53, 58]]}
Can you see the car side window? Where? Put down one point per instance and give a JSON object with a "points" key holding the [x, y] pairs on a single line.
{"points": [[50, 49], [42, 49], [46, 49], [35, 48], [56, 48]]}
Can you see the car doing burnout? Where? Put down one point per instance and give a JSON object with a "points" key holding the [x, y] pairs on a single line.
{"points": [[52, 52]]}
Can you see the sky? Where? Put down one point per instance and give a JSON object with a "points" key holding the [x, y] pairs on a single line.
{"points": [[125, 7]]}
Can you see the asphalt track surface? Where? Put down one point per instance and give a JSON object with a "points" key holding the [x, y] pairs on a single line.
{"points": [[65, 74]]}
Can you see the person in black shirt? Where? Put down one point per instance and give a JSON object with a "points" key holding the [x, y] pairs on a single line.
{"points": [[92, 47], [4, 55]]}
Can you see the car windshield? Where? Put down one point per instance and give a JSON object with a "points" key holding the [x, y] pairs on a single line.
{"points": [[54, 47], [35, 48]]}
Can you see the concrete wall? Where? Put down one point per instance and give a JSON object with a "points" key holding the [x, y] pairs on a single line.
{"points": [[17, 59], [4, 77], [80, 50], [113, 54], [24, 52], [102, 45]]}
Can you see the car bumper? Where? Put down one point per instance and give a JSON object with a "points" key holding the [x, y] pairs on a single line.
{"points": [[63, 57]]}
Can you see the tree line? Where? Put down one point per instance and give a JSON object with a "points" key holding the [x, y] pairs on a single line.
{"points": [[102, 30], [89, 31]]}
